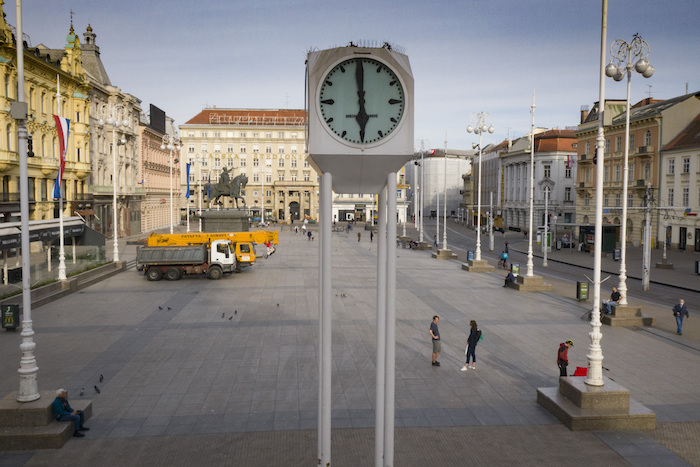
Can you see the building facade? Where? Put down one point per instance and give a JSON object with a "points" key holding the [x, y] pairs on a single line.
{"points": [[653, 124], [267, 146], [42, 68]]}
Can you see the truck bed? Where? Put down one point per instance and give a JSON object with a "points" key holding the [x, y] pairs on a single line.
{"points": [[160, 255]]}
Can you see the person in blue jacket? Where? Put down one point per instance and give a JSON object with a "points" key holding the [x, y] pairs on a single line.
{"points": [[63, 412], [680, 311]]}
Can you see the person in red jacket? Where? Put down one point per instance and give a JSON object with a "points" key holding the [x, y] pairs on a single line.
{"points": [[563, 356]]}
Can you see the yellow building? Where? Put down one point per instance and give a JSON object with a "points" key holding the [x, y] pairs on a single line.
{"points": [[42, 67]]}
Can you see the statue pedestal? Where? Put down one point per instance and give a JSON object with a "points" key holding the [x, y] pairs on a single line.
{"points": [[225, 220]]}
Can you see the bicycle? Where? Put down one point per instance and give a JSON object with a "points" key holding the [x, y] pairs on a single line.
{"points": [[503, 263]]}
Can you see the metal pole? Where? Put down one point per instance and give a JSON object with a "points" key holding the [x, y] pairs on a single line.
{"points": [[390, 324], [422, 198], [477, 255], [647, 242], [382, 246], [444, 208], [199, 164], [171, 190], [61, 241], [115, 254], [545, 240], [437, 218], [595, 352], [325, 225], [28, 387], [530, 264], [415, 195], [491, 221]]}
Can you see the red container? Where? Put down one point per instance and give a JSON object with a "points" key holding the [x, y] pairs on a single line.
{"points": [[581, 371]]}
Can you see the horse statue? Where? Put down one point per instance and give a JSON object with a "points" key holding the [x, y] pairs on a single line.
{"points": [[225, 187]]}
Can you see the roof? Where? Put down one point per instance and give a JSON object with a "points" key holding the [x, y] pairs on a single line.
{"points": [[655, 108], [688, 138], [260, 117], [555, 140]]}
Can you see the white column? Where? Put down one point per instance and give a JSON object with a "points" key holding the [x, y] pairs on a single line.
{"points": [[477, 253], [530, 264], [546, 226], [382, 246], [390, 323], [325, 321]]}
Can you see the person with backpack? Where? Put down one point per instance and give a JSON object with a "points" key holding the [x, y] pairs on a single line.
{"points": [[563, 356], [472, 340]]}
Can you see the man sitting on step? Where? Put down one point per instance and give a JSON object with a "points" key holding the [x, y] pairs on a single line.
{"points": [[615, 298], [63, 412]]}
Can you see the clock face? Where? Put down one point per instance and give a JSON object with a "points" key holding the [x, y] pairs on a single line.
{"points": [[361, 100]]}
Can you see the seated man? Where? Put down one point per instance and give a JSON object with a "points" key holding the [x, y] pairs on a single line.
{"points": [[615, 298], [63, 412], [509, 278]]}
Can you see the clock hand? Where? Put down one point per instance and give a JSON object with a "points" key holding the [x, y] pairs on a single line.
{"points": [[362, 118]]}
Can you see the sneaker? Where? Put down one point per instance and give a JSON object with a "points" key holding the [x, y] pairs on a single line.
{"points": [[464, 368], [83, 428], [473, 367], [78, 434], [435, 364]]}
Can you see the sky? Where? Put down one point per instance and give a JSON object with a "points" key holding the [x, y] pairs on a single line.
{"points": [[466, 56]]}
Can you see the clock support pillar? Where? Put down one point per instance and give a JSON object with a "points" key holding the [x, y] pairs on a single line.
{"points": [[324, 319]]}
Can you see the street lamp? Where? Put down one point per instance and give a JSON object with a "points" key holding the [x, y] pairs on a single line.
{"points": [[622, 55], [665, 241], [171, 142], [116, 116], [480, 126]]}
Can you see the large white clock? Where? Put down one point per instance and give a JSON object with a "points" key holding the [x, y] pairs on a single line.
{"points": [[361, 100]]}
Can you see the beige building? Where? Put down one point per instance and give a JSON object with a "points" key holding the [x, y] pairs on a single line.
{"points": [[42, 66], [267, 146]]}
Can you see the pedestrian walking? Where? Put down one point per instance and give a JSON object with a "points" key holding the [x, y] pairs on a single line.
{"points": [[680, 311], [359, 235], [308, 234], [472, 340], [563, 356], [435, 335], [371, 235], [506, 247], [435, 241]]}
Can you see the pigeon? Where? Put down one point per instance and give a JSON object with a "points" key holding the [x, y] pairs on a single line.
{"points": [[223, 315], [230, 318], [102, 378], [169, 308], [82, 391], [97, 390], [278, 304], [160, 307], [235, 312]]}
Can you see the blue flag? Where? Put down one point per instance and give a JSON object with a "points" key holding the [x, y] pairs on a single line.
{"points": [[187, 193], [209, 187]]}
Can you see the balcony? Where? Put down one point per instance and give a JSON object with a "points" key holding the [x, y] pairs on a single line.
{"points": [[645, 150]]}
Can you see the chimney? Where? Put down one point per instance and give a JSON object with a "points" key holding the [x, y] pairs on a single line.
{"points": [[584, 113]]}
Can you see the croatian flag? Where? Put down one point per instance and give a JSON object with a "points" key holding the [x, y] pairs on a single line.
{"points": [[62, 126], [187, 193]]}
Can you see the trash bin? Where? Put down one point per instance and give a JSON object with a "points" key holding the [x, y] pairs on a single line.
{"points": [[697, 267], [515, 268], [558, 244], [470, 255], [14, 275], [616, 255], [10, 317], [581, 291]]}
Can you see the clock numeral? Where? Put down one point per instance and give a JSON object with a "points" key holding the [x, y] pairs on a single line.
{"points": [[328, 101], [393, 120], [343, 134], [342, 68], [381, 135], [329, 120], [392, 83], [379, 69], [395, 101], [329, 83]]}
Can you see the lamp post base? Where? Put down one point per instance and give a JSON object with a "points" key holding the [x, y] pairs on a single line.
{"points": [[444, 254], [478, 266], [664, 264], [531, 284]]}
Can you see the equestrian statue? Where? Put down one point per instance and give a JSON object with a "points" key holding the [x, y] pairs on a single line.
{"points": [[226, 187]]}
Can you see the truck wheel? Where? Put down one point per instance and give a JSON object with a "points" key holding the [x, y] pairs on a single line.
{"points": [[154, 274], [173, 274], [215, 273]]}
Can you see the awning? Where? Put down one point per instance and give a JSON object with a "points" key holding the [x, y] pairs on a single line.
{"points": [[86, 212], [42, 230]]}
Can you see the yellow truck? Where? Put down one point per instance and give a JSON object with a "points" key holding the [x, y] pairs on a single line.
{"points": [[242, 243]]}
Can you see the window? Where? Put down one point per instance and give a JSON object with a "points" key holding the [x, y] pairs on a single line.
{"points": [[217, 163], [630, 200], [567, 172], [630, 174], [618, 143], [242, 162], [631, 142], [256, 162], [686, 165], [217, 148], [243, 134], [618, 200], [647, 171], [647, 138], [204, 147], [217, 134], [606, 200], [280, 176], [670, 196], [203, 134], [607, 145], [618, 172], [229, 148], [586, 199], [280, 134], [294, 176], [190, 149], [256, 177], [268, 178], [280, 149], [256, 148], [77, 154], [280, 162], [294, 136], [671, 166], [229, 134], [587, 175], [606, 174], [268, 192], [268, 149], [268, 135], [294, 163], [686, 197], [306, 164], [293, 150], [567, 193], [8, 136], [548, 171], [242, 149], [190, 134], [307, 176], [32, 186], [256, 134], [588, 147]]}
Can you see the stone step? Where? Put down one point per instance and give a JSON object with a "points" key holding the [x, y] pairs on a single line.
{"points": [[636, 417], [611, 320], [477, 266], [609, 396], [51, 436]]}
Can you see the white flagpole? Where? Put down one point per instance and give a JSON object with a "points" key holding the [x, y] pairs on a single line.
{"points": [[61, 249]]}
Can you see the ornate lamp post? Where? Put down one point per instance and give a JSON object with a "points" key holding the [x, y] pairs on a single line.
{"points": [[622, 54], [171, 142], [116, 116], [482, 123]]}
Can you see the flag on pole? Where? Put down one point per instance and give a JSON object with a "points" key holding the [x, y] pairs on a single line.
{"points": [[209, 186], [187, 193], [62, 126]]}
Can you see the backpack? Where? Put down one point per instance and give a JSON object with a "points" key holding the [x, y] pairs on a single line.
{"points": [[481, 336]]}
